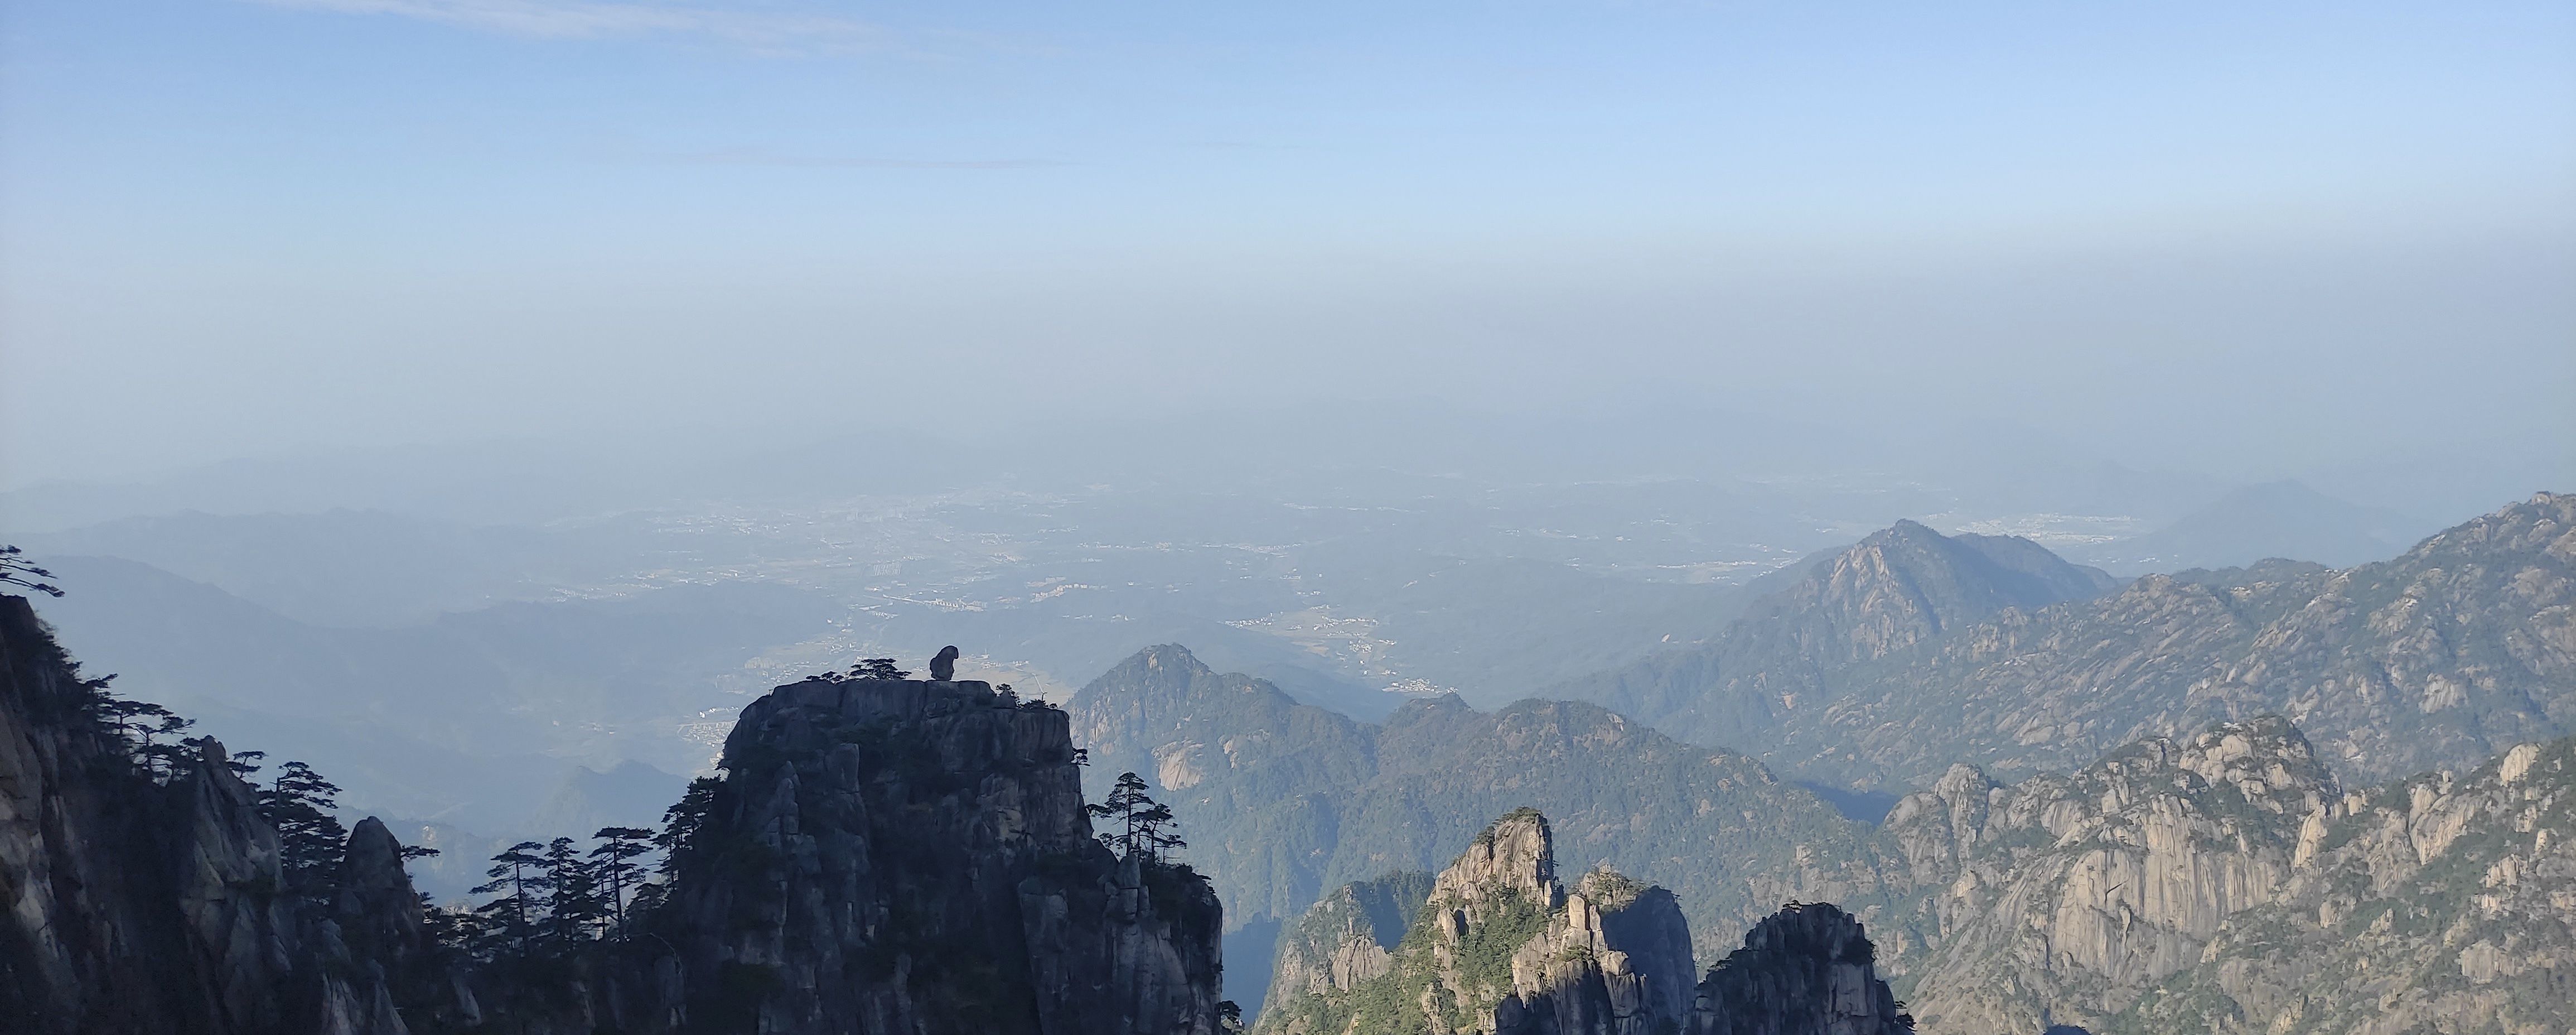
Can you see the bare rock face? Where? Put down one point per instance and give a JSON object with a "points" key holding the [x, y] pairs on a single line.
{"points": [[2071, 896], [1350, 937], [228, 875], [150, 902], [1495, 944], [2437, 903], [84, 911], [910, 856], [884, 856], [1807, 970]]}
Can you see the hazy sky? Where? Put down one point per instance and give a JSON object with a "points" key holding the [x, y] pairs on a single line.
{"points": [[2236, 237]]}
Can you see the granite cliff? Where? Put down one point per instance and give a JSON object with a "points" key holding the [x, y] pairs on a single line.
{"points": [[888, 855], [881, 856], [1493, 944], [1806, 970], [2067, 897], [2444, 902], [152, 897], [2225, 882]]}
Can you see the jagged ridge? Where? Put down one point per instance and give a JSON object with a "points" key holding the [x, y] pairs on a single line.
{"points": [[1498, 945]]}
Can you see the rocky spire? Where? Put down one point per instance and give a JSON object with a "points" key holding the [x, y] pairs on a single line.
{"points": [[905, 855], [1498, 943], [1807, 970], [1514, 856]]}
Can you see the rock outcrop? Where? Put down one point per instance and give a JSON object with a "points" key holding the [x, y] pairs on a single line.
{"points": [[1350, 936], [890, 855], [882, 856], [2439, 903], [148, 900], [1807, 970], [2068, 897], [1495, 944]]}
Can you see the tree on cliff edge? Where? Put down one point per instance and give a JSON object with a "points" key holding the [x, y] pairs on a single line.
{"points": [[16, 570], [1141, 823]]}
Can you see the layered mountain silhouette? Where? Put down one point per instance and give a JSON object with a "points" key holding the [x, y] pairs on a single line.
{"points": [[2176, 883], [1284, 801], [2280, 798], [2178, 738], [2440, 657]]}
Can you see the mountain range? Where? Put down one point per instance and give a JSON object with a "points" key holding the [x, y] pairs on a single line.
{"points": [[1282, 801], [2179, 710], [1891, 660], [2280, 797]]}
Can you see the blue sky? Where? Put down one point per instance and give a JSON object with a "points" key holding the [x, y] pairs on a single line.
{"points": [[270, 225]]}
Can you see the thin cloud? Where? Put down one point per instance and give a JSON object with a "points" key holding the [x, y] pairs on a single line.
{"points": [[589, 19], [764, 156]]}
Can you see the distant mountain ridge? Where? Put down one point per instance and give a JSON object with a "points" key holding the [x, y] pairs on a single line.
{"points": [[2440, 657], [1901, 586]]}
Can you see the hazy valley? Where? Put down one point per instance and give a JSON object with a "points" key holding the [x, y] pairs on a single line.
{"points": [[2017, 771]]}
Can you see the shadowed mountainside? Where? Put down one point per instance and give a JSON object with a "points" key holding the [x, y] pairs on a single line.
{"points": [[1282, 801]]}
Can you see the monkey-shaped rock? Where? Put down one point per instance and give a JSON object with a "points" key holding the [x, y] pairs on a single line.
{"points": [[944, 667]]}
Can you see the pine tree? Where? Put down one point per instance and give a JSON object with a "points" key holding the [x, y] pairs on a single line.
{"points": [[164, 761], [572, 899], [613, 867], [303, 806], [1154, 834], [1125, 797], [877, 668], [519, 870], [16, 570], [1139, 823], [681, 822]]}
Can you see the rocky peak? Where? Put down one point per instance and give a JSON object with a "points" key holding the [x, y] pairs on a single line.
{"points": [[1789, 654], [2435, 903], [1806, 970], [1936, 827], [915, 855], [2264, 759], [2072, 895], [377, 910], [1516, 855], [1498, 946], [1907, 583]]}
